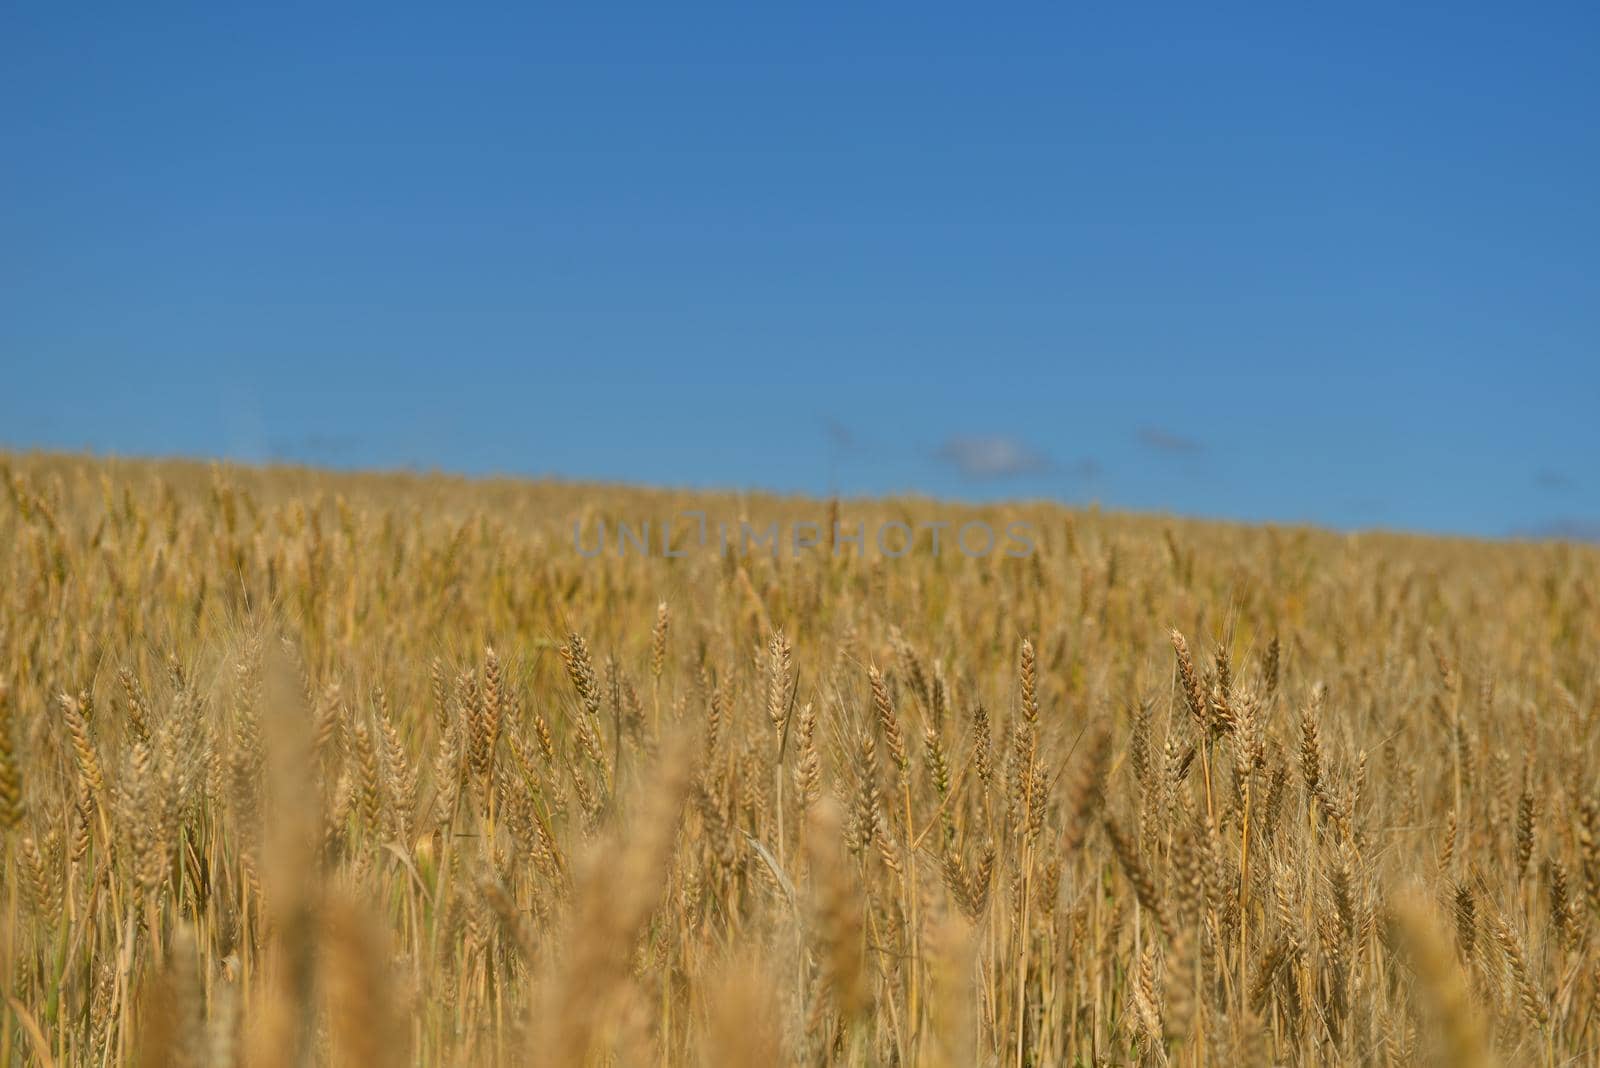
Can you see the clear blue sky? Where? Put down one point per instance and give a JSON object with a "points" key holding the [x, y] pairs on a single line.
{"points": [[1262, 262]]}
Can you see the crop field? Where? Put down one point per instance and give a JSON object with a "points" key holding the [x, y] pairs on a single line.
{"points": [[303, 767]]}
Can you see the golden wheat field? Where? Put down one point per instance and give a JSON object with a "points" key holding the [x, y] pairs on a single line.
{"points": [[300, 767]]}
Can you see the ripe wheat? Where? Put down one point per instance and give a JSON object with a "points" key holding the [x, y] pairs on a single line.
{"points": [[302, 768]]}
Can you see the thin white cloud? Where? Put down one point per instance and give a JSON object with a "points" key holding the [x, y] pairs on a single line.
{"points": [[1160, 440], [991, 457], [1547, 478]]}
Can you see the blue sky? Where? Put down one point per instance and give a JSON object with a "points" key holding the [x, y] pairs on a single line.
{"points": [[1336, 266]]}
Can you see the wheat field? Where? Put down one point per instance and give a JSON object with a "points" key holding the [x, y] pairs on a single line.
{"points": [[301, 767]]}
